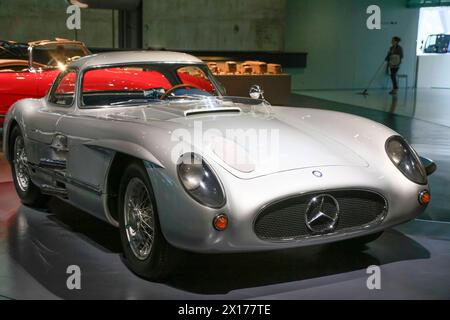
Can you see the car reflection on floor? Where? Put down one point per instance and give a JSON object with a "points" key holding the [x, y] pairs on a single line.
{"points": [[9, 202]]}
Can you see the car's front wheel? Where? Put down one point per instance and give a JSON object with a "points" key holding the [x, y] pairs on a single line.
{"points": [[146, 251], [28, 192]]}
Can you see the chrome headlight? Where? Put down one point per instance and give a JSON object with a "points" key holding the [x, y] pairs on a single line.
{"points": [[199, 181], [406, 160]]}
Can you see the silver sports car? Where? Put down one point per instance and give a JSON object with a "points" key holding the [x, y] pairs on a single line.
{"points": [[148, 142]]}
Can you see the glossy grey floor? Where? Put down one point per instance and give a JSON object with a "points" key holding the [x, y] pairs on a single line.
{"points": [[36, 247]]}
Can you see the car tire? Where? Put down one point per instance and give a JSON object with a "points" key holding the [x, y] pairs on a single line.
{"points": [[157, 262], [27, 191]]}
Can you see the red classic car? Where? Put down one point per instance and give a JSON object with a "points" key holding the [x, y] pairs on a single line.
{"points": [[28, 70]]}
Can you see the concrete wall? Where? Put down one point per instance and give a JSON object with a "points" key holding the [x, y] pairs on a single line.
{"points": [[343, 53], [27, 20], [215, 24]]}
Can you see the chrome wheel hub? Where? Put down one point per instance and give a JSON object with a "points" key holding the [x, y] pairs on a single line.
{"points": [[139, 218], [20, 163]]}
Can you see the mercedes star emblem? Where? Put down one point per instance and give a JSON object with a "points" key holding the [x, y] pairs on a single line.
{"points": [[318, 174], [322, 214]]}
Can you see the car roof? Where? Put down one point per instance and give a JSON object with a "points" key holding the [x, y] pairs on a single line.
{"points": [[131, 57]]}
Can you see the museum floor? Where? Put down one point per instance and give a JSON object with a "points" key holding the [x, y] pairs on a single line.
{"points": [[36, 247]]}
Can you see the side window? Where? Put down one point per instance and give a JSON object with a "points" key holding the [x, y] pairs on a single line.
{"points": [[64, 93]]}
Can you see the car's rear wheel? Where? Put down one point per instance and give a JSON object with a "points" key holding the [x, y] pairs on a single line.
{"points": [[146, 251], [28, 192]]}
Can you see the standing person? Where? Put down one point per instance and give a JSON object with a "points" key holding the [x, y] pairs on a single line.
{"points": [[394, 59]]}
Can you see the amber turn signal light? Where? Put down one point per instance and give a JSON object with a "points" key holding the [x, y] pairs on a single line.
{"points": [[220, 222], [424, 197]]}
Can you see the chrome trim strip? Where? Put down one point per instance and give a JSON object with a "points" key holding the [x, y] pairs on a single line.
{"points": [[61, 176], [30, 59], [85, 186], [194, 112], [52, 164], [106, 195]]}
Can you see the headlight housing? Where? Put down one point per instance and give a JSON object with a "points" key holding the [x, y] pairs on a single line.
{"points": [[199, 181], [406, 160]]}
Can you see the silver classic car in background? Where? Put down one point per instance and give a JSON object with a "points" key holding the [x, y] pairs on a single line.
{"points": [[148, 142]]}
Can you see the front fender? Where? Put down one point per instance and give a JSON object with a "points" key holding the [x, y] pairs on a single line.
{"points": [[125, 147], [10, 118]]}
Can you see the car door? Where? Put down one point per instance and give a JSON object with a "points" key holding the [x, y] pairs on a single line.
{"points": [[49, 146], [85, 167]]}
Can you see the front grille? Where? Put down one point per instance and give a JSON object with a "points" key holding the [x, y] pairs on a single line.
{"points": [[286, 219]]}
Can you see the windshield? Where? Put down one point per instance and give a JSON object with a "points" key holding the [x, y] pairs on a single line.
{"points": [[148, 83], [11, 50], [57, 54]]}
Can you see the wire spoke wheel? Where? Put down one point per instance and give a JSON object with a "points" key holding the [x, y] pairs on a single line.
{"points": [[20, 162], [139, 218]]}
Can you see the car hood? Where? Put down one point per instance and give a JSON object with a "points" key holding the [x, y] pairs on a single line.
{"points": [[248, 144]]}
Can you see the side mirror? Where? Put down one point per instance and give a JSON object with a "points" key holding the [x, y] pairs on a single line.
{"points": [[430, 165], [256, 92]]}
